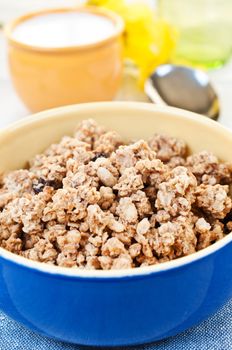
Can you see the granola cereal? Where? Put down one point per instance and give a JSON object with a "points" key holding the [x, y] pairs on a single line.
{"points": [[93, 202]]}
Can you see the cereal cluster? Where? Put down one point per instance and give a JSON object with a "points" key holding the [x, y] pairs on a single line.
{"points": [[93, 202]]}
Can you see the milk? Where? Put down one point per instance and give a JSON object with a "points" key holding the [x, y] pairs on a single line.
{"points": [[57, 30]]}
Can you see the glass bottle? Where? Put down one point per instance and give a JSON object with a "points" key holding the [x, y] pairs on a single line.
{"points": [[203, 29]]}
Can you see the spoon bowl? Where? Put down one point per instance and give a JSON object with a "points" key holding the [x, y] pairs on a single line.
{"points": [[183, 87]]}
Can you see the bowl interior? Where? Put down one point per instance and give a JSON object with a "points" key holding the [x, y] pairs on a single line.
{"points": [[21, 141]]}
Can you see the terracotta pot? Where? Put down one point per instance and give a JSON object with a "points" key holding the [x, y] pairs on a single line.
{"points": [[51, 77]]}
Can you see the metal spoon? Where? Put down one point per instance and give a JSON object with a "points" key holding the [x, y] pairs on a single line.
{"points": [[183, 87]]}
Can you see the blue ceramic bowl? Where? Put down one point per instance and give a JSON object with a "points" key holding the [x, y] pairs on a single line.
{"points": [[120, 307]]}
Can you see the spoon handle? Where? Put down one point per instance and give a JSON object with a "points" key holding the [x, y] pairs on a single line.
{"points": [[153, 94]]}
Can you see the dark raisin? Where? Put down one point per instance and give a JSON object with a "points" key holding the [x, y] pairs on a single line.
{"points": [[157, 224], [39, 186], [42, 181], [227, 218], [56, 184], [37, 189], [98, 155]]}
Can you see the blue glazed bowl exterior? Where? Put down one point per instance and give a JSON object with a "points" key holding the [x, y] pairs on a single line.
{"points": [[124, 307], [120, 310]]}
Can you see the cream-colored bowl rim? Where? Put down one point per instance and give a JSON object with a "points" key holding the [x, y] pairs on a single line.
{"points": [[133, 272], [116, 19]]}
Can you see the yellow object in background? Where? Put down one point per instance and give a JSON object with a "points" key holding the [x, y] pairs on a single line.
{"points": [[148, 41]]}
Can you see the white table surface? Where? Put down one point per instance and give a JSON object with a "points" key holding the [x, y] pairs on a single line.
{"points": [[12, 108]]}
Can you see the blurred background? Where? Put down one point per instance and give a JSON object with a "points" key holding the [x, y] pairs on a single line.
{"points": [[194, 33]]}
